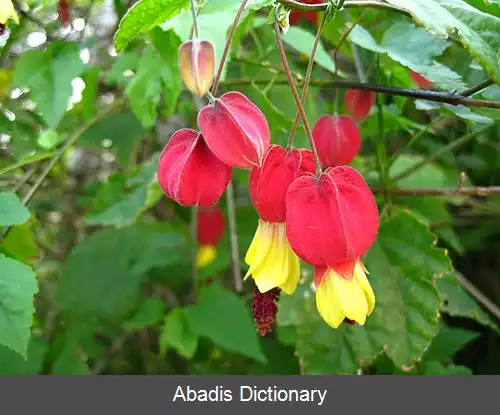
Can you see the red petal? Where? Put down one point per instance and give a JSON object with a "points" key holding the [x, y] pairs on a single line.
{"points": [[236, 130], [269, 184], [337, 140], [189, 172], [358, 103], [420, 80], [333, 219], [210, 225]]}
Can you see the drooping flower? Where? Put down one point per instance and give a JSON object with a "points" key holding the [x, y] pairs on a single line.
{"points": [[358, 103], [210, 231], [235, 130], [196, 65], [312, 17], [189, 173], [7, 11], [64, 12], [343, 293], [272, 262], [421, 81], [337, 140], [332, 219]]}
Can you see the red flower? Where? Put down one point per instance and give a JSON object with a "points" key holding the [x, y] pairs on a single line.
{"points": [[333, 219], [420, 80], [295, 16], [64, 12], [235, 130], [337, 140], [358, 103], [189, 172], [210, 225]]}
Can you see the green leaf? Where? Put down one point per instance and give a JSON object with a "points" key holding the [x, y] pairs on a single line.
{"points": [[90, 93], [123, 131], [20, 243], [437, 368], [149, 313], [49, 75], [123, 199], [17, 288], [403, 264], [102, 275], [225, 319], [448, 342], [12, 210], [457, 302], [177, 334], [49, 139], [12, 363], [216, 6], [414, 48], [144, 16], [302, 41], [477, 31]]}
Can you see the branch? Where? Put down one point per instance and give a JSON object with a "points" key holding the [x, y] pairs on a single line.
{"points": [[435, 96], [451, 191], [296, 5]]}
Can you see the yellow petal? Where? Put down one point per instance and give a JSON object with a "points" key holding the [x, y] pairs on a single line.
{"points": [[352, 299], [206, 255], [271, 259], [328, 302], [360, 276], [7, 12]]}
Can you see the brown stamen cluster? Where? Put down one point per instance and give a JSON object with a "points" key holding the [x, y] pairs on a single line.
{"points": [[264, 309], [350, 322]]}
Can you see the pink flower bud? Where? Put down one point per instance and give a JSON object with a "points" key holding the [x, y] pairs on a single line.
{"points": [[236, 130], [188, 171], [196, 65], [337, 140], [358, 103]]}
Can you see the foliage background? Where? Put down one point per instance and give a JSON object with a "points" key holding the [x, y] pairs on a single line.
{"points": [[95, 271]]}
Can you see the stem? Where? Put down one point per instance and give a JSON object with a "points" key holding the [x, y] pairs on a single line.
{"points": [[195, 20], [306, 82], [457, 143], [478, 295], [296, 97], [227, 47], [479, 87], [59, 153], [296, 5], [451, 191], [233, 235]]}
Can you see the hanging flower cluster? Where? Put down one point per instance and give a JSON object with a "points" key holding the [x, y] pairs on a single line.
{"points": [[328, 219]]}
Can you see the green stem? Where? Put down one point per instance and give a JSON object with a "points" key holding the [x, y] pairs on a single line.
{"points": [[195, 20]]}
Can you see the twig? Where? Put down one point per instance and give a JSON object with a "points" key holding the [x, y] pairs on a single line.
{"points": [[479, 87], [296, 5], [227, 47], [435, 96], [233, 235], [446, 191], [296, 97]]}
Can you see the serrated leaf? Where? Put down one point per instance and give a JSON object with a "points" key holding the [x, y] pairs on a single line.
{"points": [[225, 319], [437, 368], [49, 75], [17, 288], [12, 363], [144, 16], [20, 243], [12, 210], [477, 31], [448, 342], [149, 313], [102, 274], [177, 333]]}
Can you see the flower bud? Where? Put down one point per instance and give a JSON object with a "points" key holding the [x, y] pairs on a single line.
{"points": [[189, 172], [420, 80], [210, 225], [358, 103], [196, 65], [269, 184], [236, 130], [333, 219], [337, 140]]}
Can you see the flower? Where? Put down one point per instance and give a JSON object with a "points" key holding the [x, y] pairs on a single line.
{"points": [[332, 219], [420, 80], [358, 103], [7, 12], [343, 293], [337, 140], [210, 228], [196, 65], [272, 262], [235, 130], [189, 173], [310, 16]]}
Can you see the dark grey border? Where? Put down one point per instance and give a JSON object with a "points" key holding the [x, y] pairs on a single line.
{"points": [[346, 395]]}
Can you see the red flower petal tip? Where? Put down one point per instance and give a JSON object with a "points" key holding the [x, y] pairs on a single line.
{"points": [[358, 103], [210, 225], [337, 140], [235, 130], [333, 219], [189, 173], [420, 80]]}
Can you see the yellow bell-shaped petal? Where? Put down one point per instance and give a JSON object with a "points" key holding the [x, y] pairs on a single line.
{"points": [[206, 255], [7, 12]]}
